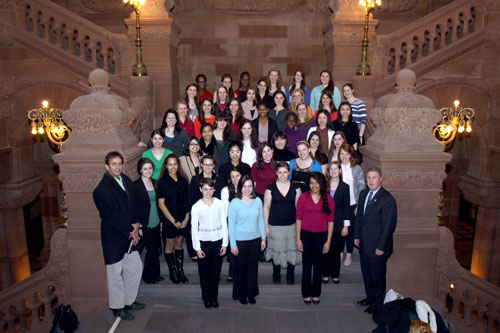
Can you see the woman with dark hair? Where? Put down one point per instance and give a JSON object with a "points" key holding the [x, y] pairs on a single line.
{"points": [[314, 228], [201, 84], [175, 138], [234, 150], [222, 101], [247, 136], [147, 214], [247, 235], [358, 110], [279, 112], [227, 194], [226, 81], [317, 151], [352, 175], [222, 133], [279, 215], [207, 115], [323, 128], [263, 171], [326, 84], [326, 103], [250, 105], [337, 141], [235, 115], [303, 165], [299, 82], [157, 153], [210, 238], [173, 202], [292, 132], [191, 99], [339, 191], [264, 126], [189, 162], [279, 142], [347, 125], [185, 121], [210, 146], [263, 93], [243, 86]]}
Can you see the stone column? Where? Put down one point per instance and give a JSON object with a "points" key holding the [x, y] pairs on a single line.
{"points": [[141, 101], [14, 260], [160, 40], [100, 123], [486, 254], [413, 167]]}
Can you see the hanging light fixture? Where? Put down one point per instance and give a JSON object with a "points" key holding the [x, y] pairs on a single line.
{"points": [[455, 119], [49, 121]]}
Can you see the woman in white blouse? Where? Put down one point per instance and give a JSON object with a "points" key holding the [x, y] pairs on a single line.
{"points": [[248, 138], [210, 238]]}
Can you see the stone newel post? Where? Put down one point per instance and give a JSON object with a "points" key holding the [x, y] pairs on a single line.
{"points": [[413, 166], [100, 123]]}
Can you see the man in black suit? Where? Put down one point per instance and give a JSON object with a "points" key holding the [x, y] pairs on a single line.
{"points": [[375, 224], [112, 198]]}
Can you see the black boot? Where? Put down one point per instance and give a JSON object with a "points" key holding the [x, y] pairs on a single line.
{"points": [[169, 257], [179, 259], [276, 274], [290, 274]]}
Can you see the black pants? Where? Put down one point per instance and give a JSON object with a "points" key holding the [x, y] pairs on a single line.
{"points": [[231, 261], [311, 262], [246, 269], [349, 239], [374, 270], [209, 269], [331, 260], [152, 242]]}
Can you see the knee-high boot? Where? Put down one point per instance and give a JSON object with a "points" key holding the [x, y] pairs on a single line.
{"points": [[276, 274], [179, 259], [290, 274], [172, 269]]}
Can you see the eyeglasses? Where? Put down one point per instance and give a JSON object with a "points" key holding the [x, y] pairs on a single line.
{"points": [[235, 152]]}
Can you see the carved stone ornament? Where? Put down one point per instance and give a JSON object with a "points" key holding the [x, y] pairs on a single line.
{"points": [[484, 193], [315, 6], [414, 180], [57, 270], [80, 181], [13, 196]]}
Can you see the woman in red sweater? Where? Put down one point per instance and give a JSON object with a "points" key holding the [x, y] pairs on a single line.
{"points": [[263, 171], [314, 233]]}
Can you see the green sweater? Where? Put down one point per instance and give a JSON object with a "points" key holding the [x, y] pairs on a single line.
{"points": [[158, 164]]}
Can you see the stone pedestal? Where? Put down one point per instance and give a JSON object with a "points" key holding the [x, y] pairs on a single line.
{"points": [[413, 166], [100, 123], [486, 253], [141, 101], [14, 260]]}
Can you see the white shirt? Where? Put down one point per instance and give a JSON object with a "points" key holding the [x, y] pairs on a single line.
{"points": [[208, 224], [248, 155], [224, 196], [349, 180], [368, 195]]}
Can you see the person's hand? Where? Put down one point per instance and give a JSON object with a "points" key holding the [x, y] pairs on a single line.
{"points": [[178, 225], [184, 224], [356, 243], [268, 232], [200, 254], [234, 251], [135, 238], [378, 252], [300, 246], [360, 140], [326, 247], [345, 231], [140, 232], [222, 251], [142, 145], [262, 245], [355, 211], [136, 227]]}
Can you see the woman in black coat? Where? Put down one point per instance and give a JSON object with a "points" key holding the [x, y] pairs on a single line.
{"points": [[340, 193], [147, 214]]}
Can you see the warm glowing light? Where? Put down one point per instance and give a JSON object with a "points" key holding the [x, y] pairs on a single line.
{"points": [[456, 103], [449, 128], [452, 286], [45, 104], [468, 129], [33, 131], [461, 129], [370, 3], [40, 130]]}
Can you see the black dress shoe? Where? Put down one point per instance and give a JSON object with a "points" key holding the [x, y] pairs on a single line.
{"points": [[369, 309], [307, 301], [243, 301], [135, 306], [215, 305], [123, 314], [208, 305], [324, 280], [229, 279], [336, 281], [365, 302], [161, 278], [252, 300], [315, 301]]}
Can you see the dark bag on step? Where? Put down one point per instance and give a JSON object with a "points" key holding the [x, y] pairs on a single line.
{"points": [[65, 320]]}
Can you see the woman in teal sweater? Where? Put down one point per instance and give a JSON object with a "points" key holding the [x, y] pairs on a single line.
{"points": [[326, 84], [247, 234]]}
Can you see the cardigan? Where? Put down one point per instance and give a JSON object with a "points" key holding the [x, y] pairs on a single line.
{"points": [[330, 136], [141, 203], [177, 146], [246, 222], [271, 128]]}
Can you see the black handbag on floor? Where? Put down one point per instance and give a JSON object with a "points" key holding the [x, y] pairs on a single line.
{"points": [[65, 320]]}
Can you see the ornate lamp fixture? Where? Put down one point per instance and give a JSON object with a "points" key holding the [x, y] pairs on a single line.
{"points": [[364, 67], [49, 120], [454, 120], [139, 68]]}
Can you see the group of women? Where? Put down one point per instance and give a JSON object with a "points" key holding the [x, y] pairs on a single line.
{"points": [[271, 171]]}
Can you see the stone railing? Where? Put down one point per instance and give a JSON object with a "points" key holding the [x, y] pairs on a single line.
{"points": [[30, 304], [429, 41], [70, 40], [467, 301]]}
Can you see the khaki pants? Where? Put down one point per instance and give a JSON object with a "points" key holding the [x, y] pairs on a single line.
{"points": [[124, 278]]}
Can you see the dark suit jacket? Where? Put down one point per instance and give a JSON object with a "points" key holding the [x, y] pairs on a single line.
{"points": [[342, 206], [141, 204], [116, 212], [375, 228], [271, 128]]}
